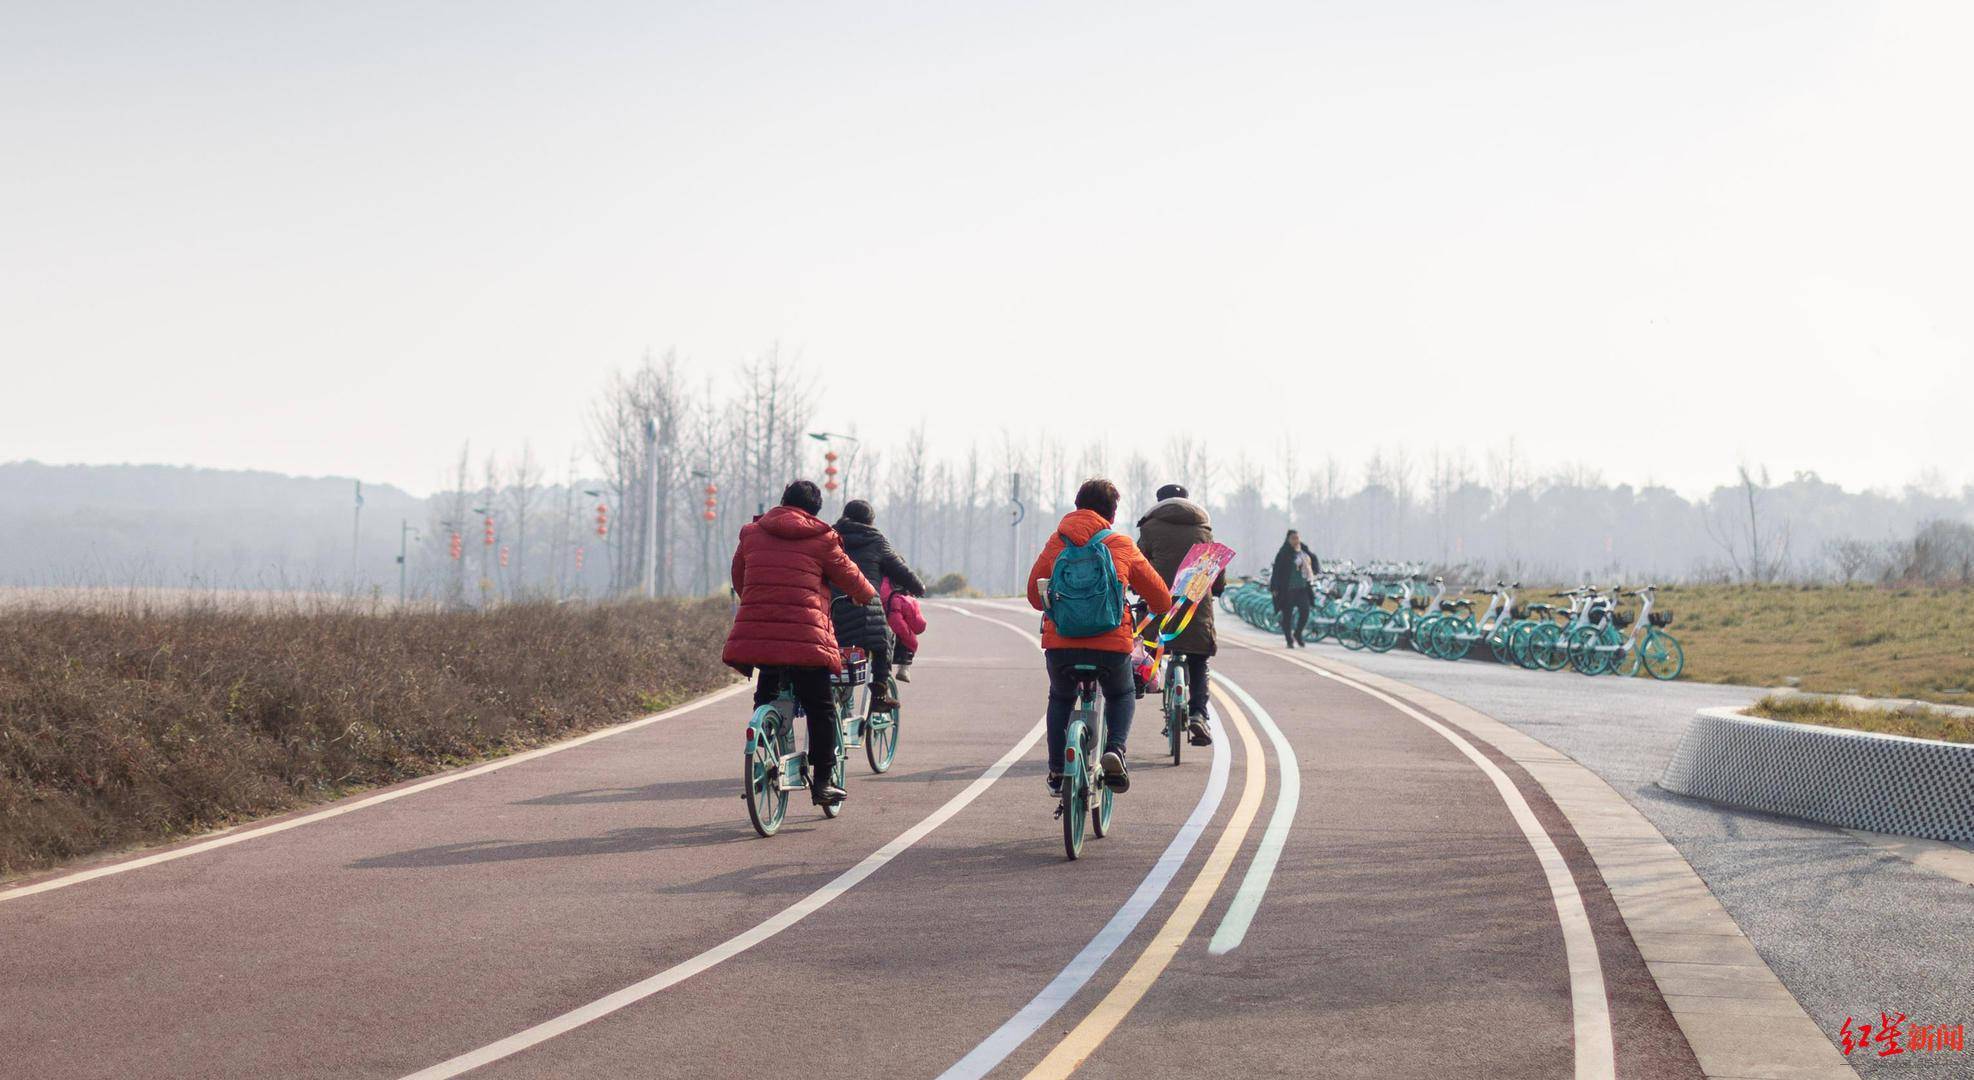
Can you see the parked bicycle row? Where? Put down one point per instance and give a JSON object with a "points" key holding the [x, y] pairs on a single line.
{"points": [[1379, 607]]}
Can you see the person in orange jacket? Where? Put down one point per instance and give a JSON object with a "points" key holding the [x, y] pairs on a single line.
{"points": [[1109, 652]]}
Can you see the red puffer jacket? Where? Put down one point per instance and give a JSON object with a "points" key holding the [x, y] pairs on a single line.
{"points": [[786, 562]]}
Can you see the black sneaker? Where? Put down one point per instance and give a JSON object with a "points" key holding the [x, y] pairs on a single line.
{"points": [[1196, 728], [828, 795], [1055, 785], [1116, 777]]}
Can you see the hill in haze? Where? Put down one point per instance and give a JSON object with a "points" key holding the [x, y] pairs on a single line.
{"points": [[165, 525]]}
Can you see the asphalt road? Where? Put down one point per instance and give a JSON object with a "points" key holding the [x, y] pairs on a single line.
{"points": [[605, 910]]}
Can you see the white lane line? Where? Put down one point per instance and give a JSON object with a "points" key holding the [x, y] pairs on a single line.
{"points": [[737, 944], [1240, 914], [339, 810], [1590, 1006], [996, 1047]]}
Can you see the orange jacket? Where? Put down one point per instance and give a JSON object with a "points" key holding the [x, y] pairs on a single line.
{"points": [[1132, 569]]}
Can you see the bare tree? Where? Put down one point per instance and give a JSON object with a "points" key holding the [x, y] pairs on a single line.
{"points": [[523, 491], [1757, 549], [1848, 557]]}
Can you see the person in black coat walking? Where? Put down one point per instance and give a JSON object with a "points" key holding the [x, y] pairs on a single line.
{"points": [[1295, 566], [864, 625]]}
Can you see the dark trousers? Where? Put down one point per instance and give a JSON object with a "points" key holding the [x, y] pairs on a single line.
{"points": [[1295, 614], [901, 655], [1195, 682], [880, 666], [811, 686], [1120, 696]]}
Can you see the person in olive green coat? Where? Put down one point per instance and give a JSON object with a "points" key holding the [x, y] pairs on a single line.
{"points": [[1167, 531]]}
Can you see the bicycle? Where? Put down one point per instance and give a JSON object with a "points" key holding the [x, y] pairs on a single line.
{"points": [[876, 732], [1595, 649], [771, 766], [1169, 674], [1086, 798]]}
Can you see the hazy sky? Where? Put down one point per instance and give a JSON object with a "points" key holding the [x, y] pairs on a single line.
{"points": [[1654, 238]]}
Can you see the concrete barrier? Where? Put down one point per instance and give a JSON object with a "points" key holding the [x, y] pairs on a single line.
{"points": [[1851, 779]]}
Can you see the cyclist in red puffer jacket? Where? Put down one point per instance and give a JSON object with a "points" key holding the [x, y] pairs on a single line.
{"points": [[786, 562]]}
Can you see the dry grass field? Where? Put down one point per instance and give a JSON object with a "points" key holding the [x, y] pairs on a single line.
{"points": [[1879, 642], [131, 723], [1916, 643]]}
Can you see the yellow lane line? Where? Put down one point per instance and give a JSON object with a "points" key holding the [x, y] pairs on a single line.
{"points": [[1084, 1039]]}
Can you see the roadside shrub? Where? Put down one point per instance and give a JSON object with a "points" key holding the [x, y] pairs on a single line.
{"points": [[120, 727], [950, 585]]}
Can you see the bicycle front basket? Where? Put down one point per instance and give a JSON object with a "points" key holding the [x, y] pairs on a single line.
{"points": [[856, 669], [1620, 619], [1662, 618]]}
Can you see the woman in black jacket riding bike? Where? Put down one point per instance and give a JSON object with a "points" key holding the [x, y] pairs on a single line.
{"points": [[864, 625]]}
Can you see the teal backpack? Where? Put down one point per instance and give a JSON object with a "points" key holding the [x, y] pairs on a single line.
{"points": [[1085, 597]]}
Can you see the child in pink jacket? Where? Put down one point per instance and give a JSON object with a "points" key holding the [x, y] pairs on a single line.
{"points": [[907, 622]]}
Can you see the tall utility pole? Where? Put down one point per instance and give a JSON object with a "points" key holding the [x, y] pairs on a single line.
{"points": [[650, 587], [405, 532], [1017, 512], [356, 540]]}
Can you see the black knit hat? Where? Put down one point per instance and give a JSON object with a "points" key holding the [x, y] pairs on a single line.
{"points": [[859, 511], [1172, 491]]}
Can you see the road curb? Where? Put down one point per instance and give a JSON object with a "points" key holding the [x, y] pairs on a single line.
{"points": [[1833, 776]]}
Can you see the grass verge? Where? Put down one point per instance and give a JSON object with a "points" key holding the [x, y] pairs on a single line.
{"points": [[126, 726], [1878, 642], [1916, 723]]}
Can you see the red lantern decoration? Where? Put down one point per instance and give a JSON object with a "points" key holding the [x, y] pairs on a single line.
{"points": [[455, 546], [490, 530], [602, 520], [503, 555], [579, 558]]}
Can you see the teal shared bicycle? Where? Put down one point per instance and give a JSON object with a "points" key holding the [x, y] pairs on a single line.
{"points": [[771, 764], [1085, 796], [863, 726]]}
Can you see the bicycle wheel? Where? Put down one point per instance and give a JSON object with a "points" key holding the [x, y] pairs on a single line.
{"points": [[1421, 636], [1497, 644], [1664, 656], [1075, 788], [838, 777], [1177, 696], [1546, 647], [1100, 811], [1584, 655], [881, 733], [1456, 638], [1518, 641], [767, 803], [1347, 628], [1377, 630]]}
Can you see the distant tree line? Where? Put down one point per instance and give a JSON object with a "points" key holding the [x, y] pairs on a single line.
{"points": [[660, 433], [950, 509]]}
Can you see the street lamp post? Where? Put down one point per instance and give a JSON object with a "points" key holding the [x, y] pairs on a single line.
{"points": [[827, 438], [707, 516], [405, 532], [486, 551]]}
